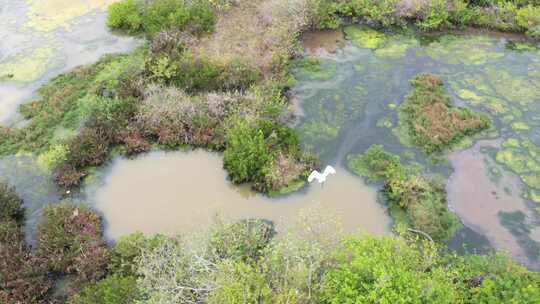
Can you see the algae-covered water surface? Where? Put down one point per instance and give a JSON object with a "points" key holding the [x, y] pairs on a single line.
{"points": [[350, 97], [42, 38]]}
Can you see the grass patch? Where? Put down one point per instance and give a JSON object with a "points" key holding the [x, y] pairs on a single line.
{"points": [[152, 17]]}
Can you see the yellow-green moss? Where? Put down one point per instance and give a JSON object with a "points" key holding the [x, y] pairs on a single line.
{"points": [[54, 156]]}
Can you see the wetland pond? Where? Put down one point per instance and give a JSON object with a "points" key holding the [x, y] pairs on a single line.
{"points": [[349, 97], [173, 192], [348, 88], [43, 38]]}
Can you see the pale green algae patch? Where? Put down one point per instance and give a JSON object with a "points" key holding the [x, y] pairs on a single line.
{"points": [[365, 37], [396, 49], [389, 46], [469, 50], [48, 15], [315, 68], [29, 65]]}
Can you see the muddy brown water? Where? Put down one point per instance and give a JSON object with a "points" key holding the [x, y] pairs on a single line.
{"points": [[479, 200], [174, 192], [326, 40]]}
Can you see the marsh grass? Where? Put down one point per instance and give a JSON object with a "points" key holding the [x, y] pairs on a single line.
{"points": [[413, 199], [432, 122]]}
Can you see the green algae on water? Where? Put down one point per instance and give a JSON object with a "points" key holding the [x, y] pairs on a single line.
{"points": [[315, 68], [396, 49], [365, 37], [470, 50], [385, 122], [27, 66], [49, 15]]}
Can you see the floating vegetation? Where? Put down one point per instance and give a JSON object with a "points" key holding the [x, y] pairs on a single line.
{"points": [[315, 68], [29, 65], [385, 122], [365, 37], [396, 48], [469, 50], [430, 120], [48, 15]]}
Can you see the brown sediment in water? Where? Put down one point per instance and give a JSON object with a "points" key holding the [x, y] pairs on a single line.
{"points": [[325, 40], [185, 191], [478, 200]]}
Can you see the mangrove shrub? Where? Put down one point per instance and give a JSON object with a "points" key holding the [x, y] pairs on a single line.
{"points": [[423, 201]]}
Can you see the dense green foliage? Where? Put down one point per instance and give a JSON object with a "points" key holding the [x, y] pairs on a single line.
{"points": [[151, 17], [128, 249], [430, 120], [393, 270], [244, 240], [253, 149], [388, 270], [357, 269], [518, 16], [111, 290], [423, 201]]}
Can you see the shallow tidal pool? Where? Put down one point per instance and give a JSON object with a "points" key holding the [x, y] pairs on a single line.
{"points": [[173, 192]]}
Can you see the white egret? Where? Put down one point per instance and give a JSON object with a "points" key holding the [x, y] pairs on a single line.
{"points": [[321, 177]]}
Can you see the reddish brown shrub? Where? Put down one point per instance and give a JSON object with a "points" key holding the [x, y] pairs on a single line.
{"points": [[90, 147], [134, 141], [68, 176], [70, 239], [23, 277]]}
